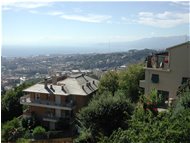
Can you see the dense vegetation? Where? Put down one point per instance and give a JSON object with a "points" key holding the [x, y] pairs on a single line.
{"points": [[119, 113], [105, 114], [126, 81], [143, 124], [108, 60], [10, 102], [11, 110]]}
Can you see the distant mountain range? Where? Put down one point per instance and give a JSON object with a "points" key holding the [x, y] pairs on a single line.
{"points": [[156, 43]]}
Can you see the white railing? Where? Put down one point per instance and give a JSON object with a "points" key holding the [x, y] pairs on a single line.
{"points": [[27, 100]]}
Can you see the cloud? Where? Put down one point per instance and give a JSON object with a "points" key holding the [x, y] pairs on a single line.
{"points": [[162, 20], [87, 18], [24, 5], [77, 10], [8, 2], [33, 11], [182, 3], [55, 13]]}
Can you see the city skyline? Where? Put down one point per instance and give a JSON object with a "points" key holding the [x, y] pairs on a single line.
{"points": [[86, 23]]}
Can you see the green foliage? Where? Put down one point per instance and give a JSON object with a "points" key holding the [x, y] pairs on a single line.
{"points": [[11, 130], [129, 81], [183, 103], [85, 136], [118, 136], [22, 140], [185, 100], [109, 82], [105, 114], [30, 122], [166, 127], [10, 104], [39, 132]]}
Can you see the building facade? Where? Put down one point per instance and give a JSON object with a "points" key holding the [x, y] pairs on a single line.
{"points": [[167, 71], [58, 98]]}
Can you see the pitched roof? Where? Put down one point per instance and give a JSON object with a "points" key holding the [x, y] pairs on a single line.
{"points": [[74, 85], [40, 88]]}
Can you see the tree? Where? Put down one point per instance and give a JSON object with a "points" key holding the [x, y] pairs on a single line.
{"points": [[12, 130], [129, 81], [11, 106], [118, 136], [166, 127], [104, 114], [109, 82]]}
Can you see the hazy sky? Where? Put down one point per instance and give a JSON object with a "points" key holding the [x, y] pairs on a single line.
{"points": [[85, 23]]}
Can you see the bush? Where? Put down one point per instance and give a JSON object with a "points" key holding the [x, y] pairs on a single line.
{"points": [[22, 140], [39, 132], [105, 114]]}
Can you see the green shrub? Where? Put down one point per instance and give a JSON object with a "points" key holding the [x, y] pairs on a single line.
{"points": [[11, 130], [22, 140], [105, 114], [39, 132]]}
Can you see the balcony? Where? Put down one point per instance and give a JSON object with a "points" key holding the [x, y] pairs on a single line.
{"points": [[53, 118], [27, 100], [50, 118], [159, 61]]}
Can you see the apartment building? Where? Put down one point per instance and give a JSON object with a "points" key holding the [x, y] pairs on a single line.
{"points": [[167, 71], [59, 97]]}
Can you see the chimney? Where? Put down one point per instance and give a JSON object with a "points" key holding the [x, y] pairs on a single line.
{"points": [[83, 87], [51, 86], [62, 87], [45, 82]]}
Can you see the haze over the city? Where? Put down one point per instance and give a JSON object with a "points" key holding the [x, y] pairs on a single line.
{"points": [[30, 28]]}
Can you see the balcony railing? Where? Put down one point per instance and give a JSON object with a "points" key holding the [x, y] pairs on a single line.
{"points": [[53, 118], [27, 100], [158, 61], [50, 118]]}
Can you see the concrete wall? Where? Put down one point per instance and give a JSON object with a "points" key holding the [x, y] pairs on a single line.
{"points": [[170, 80]]}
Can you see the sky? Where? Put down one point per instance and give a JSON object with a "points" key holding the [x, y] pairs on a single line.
{"points": [[57, 23]]}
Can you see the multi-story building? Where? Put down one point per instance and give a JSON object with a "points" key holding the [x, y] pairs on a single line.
{"points": [[167, 71], [58, 98]]}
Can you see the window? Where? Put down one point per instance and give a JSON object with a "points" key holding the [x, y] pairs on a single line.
{"points": [[184, 80], [37, 96], [155, 78]]}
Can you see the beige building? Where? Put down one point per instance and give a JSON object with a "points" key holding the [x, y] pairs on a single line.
{"points": [[59, 97], [167, 71]]}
